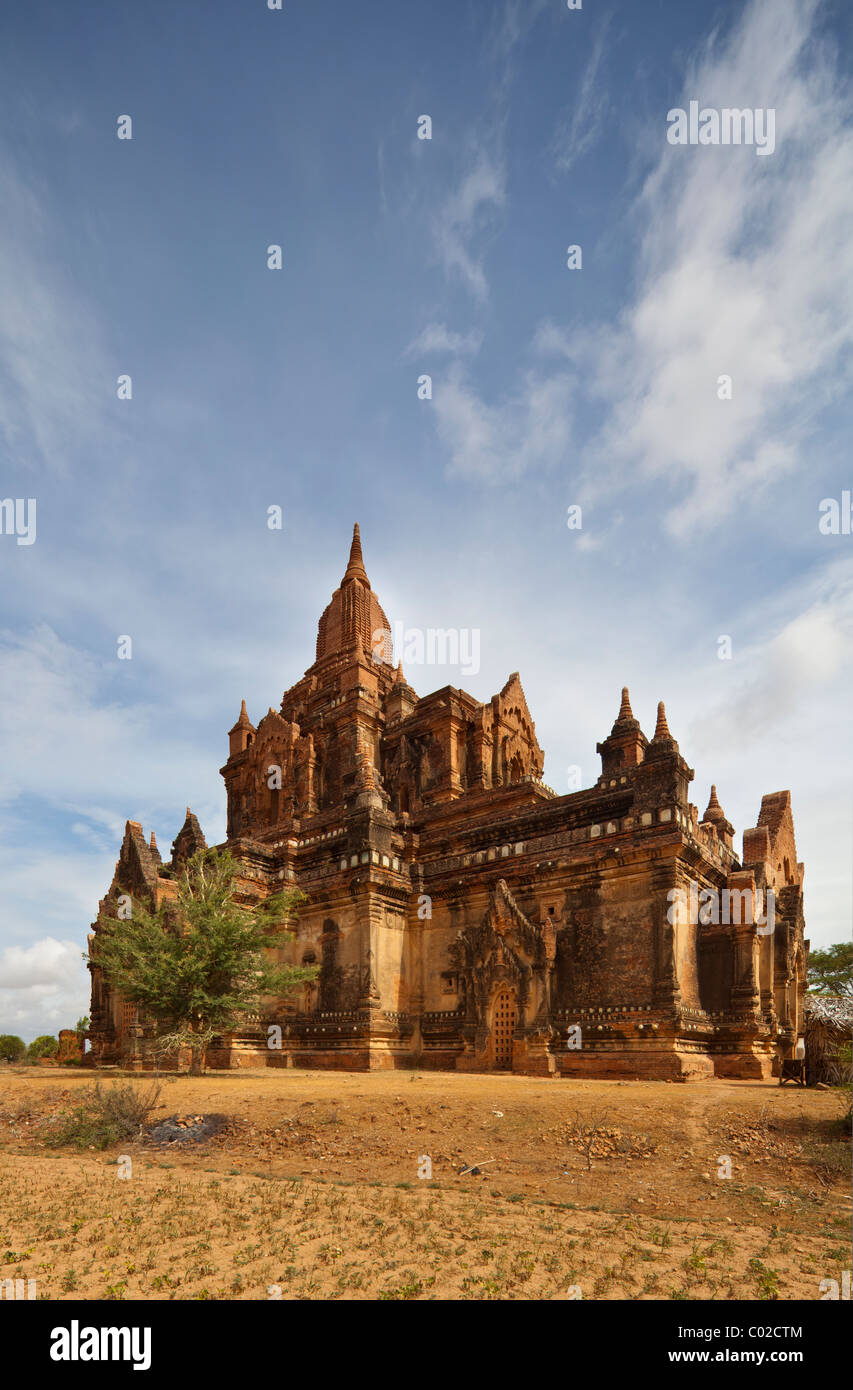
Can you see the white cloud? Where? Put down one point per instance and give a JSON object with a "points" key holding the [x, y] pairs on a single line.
{"points": [[792, 666], [498, 443], [437, 337], [463, 217], [746, 271], [45, 964], [43, 987]]}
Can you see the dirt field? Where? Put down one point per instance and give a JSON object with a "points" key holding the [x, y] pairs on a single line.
{"points": [[312, 1190]]}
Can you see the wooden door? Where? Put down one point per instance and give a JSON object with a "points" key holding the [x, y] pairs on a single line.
{"points": [[503, 1027]]}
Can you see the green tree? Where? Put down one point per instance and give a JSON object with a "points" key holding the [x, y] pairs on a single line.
{"points": [[831, 971], [82, 1025], [45, 1046], [199, 963], [12, 1048]]}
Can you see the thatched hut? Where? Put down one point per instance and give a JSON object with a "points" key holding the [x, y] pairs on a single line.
{"points": [[828, 1033]]}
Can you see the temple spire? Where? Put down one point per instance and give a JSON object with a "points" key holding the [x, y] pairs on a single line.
{"points": [[243, 720], [626, 743], [661, 728], [353, 621], [714, 810], [240, 736], [663, 744], [355, 568], [625, 711], [716, 816]]}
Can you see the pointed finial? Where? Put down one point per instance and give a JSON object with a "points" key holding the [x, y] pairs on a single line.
{"points": [[625, 711], [355, 568], [189, 813], [714, 810], [243, 720], [401, 679], [662, 728], [153, 840]]}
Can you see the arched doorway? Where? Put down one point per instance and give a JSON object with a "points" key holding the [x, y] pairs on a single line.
{"points": [[504, 1020]]}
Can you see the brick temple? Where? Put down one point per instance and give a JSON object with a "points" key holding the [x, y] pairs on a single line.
{"points": [[464, 916]]}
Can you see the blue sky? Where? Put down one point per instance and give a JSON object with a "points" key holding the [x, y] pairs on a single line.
{"points": [[298, 388]]}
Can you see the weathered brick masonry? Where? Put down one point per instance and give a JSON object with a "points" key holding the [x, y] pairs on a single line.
{"points": [[462, 914]]}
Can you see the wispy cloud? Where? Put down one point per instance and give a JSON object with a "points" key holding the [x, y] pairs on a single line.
{"points": [[511, 24], [54, 379], [437, 337], [79, 745], [531, 430], [579, 128], [796, 664], [463, 219], [745, 271]]}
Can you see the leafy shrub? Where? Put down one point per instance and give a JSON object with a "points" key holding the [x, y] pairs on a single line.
{"points": [[45, 1046], [12, 1048], [106, 1116]]}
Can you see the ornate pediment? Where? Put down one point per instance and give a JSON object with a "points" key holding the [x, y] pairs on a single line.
{"points": [[538, 941], [505, 942]]}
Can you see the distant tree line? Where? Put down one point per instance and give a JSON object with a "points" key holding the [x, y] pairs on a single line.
{"points": [[14, 1049]]}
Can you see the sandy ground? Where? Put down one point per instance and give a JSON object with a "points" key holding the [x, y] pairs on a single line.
{"points": [[314, 1189]]}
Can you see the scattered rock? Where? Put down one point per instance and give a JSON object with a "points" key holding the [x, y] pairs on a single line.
{"points": [[185, 1129]]}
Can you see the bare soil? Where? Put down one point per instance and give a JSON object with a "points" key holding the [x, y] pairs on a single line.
{"points": [[302, 1184]]}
